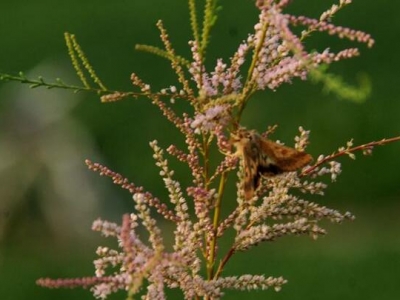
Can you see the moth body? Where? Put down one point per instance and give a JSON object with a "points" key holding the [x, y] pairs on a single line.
{"points": [[263, 157]]}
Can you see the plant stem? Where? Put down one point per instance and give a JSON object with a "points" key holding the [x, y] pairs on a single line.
{"points": [[346, 151], [217, 213], [249, 85], [223, 262]]}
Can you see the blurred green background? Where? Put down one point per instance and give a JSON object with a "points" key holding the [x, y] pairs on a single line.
{"points": [[48, 199]]}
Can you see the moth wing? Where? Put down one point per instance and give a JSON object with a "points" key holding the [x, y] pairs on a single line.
{"points": [[252, 176], [285, 159], [297, 161]]}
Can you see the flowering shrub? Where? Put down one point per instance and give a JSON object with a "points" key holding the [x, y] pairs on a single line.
{"points": [[270, 56]]}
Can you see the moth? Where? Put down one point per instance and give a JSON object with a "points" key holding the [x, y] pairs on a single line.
{"points": [[263, 157]]}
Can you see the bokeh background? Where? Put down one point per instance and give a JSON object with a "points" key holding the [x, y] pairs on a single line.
{"points": [[48, 199]]}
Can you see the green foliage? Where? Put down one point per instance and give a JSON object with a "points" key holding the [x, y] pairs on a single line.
{"points": [[162, 53], [79, 60], [335, 84]]}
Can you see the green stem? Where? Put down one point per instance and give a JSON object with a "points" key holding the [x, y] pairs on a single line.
{"points": [[248, 89], [217, 214], [40, 82]]}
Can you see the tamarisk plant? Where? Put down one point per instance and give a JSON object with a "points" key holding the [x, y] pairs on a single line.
{"points": [[274, 55]]}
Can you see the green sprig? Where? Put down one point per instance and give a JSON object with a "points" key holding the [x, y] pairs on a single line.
{"points": [[335, 84], [40, 82], [162, 53], [79, 60]]}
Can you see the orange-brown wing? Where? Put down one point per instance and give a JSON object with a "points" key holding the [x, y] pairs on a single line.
{"points": [[251, 176], [285, 159], [251, 162]]}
